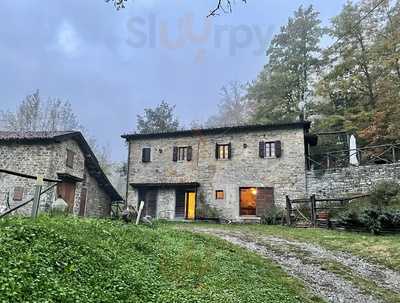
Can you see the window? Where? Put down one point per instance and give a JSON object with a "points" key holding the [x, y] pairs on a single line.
{"points": [[182, 153], [223, 151], [146, 154], [219, 195], [271, 149], [18, 193], [70, 158]]}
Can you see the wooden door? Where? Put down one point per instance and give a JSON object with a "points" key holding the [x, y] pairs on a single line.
{"points": [[67, 191], [264, 200], [149, 197], [82, 205], [191, 205]]}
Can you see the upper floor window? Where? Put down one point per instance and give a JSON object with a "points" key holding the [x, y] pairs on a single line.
{"points": [[146, 154], [270, 149], [70, 158], [223, 151], [182, 153]]}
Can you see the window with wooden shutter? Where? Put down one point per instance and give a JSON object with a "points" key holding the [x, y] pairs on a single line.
{"points": [[223, 151], [70, 158], [18, 193], [270, 149], [175, 154], [189, 153], [261, 149], [146, 154], [278, 149]]}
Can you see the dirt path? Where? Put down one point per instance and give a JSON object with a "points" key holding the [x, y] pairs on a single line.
{"points": [[335, 276]]}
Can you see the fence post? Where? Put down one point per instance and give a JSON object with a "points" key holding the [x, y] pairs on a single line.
{"points": [[139, 212], [288, 211], [328, 161], [313, 210], [394, 153], [36, 198]]}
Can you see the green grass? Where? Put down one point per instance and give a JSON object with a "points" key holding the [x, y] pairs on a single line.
{"points": [[383, 250], [73, 260]]}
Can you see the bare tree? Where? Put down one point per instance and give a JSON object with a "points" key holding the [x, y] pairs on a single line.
{"points": [[35, 115], [224, 6], [234, 107], [53, 115]]}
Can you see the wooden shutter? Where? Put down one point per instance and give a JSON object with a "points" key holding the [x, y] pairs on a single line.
{"points": [[70, 158], [261, 149], [217, 151], [264, 200], [278, 149], [229, 150], [189, 153], [175, 154], [18, 193], [82, 205], [146, 154]]}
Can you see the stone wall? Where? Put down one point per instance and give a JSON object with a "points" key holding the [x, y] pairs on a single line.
{"points": [[244, 169], [350, 180], [48, 160]]}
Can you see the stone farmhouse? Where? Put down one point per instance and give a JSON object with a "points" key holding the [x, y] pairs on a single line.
{"points": [[241, 171], [65, 156]]}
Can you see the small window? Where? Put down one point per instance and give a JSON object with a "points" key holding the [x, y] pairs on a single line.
{"points": [[223, 151], [18, 193], [269, 149], [146, 154], [70, 158], [182, 153], [219, 195]]}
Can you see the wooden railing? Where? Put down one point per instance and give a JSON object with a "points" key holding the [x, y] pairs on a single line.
{"points": [[370, 155]]}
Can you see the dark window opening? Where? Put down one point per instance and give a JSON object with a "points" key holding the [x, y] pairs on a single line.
{"points": [[70, 158], [149, 197], [146, 154], [219, 195], [18, 193], [223, 151]]}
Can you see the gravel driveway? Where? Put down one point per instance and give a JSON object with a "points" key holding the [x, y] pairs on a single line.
{"points": [[334, 276]]}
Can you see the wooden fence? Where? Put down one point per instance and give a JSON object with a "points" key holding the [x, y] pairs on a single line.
{"points": [[314, 212], [370, 155]]}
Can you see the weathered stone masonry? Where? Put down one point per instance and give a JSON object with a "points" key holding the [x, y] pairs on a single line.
{"points": [[245, 169], [48, 158], [350, 180]]}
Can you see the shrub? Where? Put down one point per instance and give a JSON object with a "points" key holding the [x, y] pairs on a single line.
{"points": [[384, 194], [272, 216]]}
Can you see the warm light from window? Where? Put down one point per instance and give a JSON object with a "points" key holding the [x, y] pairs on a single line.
{"points": [[254, 191]]}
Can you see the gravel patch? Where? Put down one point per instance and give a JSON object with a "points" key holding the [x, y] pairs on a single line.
{"points": [[305, 261]]}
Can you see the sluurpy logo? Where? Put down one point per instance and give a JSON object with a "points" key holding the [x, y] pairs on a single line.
{"points": [[152, 32]]}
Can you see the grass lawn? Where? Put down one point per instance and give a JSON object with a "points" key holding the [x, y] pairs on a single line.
{"points": [[383, 250], [87, 260]]}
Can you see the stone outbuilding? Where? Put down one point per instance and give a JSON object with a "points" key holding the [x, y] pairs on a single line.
{"points": [[64, 156], [239, 172]]}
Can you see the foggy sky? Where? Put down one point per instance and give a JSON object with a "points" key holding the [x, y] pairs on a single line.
{"points": [[111, 64]]}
